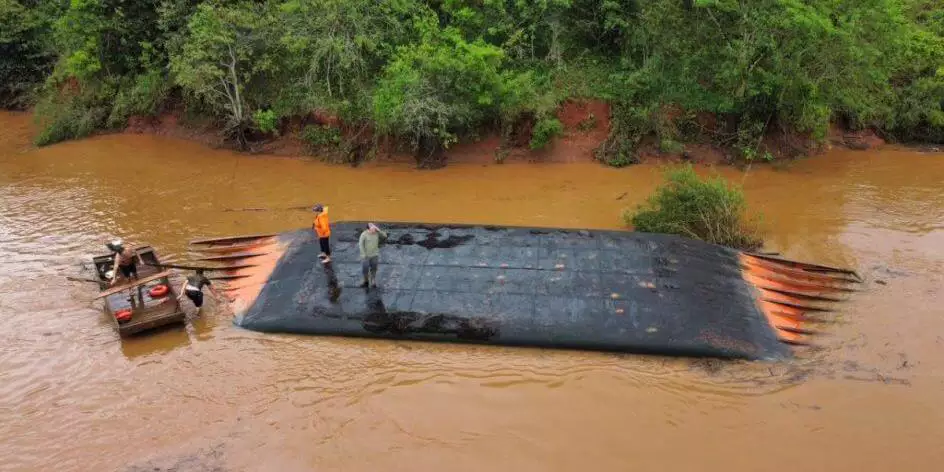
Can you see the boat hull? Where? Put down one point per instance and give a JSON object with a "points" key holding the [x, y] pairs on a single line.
{"points": [[552, 288]]}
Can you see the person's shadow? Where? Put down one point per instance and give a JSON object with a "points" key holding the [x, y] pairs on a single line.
{"points": [[334, 287], [375, 302], [377, 320]]}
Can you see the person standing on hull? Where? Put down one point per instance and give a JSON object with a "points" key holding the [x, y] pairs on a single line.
{"points": [[322, 229], [369, 245], [193, 289]]}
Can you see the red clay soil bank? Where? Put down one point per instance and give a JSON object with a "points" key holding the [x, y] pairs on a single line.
{"points": [[586, 125]]}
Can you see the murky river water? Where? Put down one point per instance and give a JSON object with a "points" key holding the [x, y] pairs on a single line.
{"points": [[215, 397]]}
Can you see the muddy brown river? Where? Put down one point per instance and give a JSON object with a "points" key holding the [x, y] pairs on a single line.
{"points": [[211, 396]]}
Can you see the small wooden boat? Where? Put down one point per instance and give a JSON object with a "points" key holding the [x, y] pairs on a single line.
{"points": [[152, 307]]}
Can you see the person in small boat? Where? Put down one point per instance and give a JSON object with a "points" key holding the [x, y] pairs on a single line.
{"points": [[193, 288], [322, 229], [126, 260], [369, 245]]}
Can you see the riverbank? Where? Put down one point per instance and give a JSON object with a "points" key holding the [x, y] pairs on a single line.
{"points": [[586, 125]]}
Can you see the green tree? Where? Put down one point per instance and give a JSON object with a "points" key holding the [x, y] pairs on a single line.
{"points": [[432, 71], [525, 30], [786, 63], [24, 57], [438, 88], [338, 47], [919, 81], [105, 37], [226, 57], [110, 66]]}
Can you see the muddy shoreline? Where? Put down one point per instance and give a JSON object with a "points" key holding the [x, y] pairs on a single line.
{"points": [[577, 143], [586, 126]]}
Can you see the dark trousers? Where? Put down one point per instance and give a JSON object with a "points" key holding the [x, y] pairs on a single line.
{"points": [[369, 267], [129, 270], [196, 296], [325, 245]]}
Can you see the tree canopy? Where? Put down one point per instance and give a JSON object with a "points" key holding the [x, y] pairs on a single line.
{"points": [[432, 72]]}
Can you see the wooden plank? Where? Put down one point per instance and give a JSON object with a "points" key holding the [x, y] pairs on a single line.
{"points": [[122, 288]]}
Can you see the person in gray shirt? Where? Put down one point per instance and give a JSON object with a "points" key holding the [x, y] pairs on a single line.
{"points": [[369, 245]]}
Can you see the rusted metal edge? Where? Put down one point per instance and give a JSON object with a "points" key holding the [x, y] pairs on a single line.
{"points": [[787, 292], [232, 248], [797, 305], [225, 278], [792, 271], [231, 239], [201, 267], [807, 266], [230, 257], [802, 296]]}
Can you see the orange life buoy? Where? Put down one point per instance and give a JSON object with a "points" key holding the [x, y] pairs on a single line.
{"points": [[158, 291], [123, 315]]}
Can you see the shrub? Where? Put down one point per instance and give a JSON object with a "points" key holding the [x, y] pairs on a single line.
{"points": [[64, 114], [323, 136], [671, 146], [629, 125], [544, 131], [266, 121], [707, 209], [501, 154], [144, 95]]}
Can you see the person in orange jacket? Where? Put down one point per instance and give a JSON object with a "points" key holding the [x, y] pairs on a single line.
{"points": [[322, 228]]}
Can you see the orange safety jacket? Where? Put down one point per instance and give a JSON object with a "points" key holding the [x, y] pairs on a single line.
{"points": [[322, 226]]}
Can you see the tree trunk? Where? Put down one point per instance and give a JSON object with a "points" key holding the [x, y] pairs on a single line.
{"points": [[430, 153], [237, 116]]}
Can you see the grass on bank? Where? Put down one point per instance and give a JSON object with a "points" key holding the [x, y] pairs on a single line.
{"points": [[709, 209]]}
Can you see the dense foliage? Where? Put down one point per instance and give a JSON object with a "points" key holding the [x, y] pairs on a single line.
{"points": [[25, 55], [707, 209], [436, 71]]}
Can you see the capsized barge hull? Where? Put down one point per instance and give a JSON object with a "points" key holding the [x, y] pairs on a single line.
{"points": [[553, 288]]}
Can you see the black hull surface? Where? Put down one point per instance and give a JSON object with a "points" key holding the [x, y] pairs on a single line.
{"points": [[593, 290]]}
